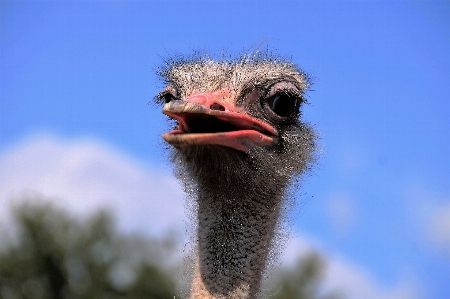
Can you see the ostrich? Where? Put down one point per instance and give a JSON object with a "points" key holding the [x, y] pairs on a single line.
{"points": [[239, 145]]}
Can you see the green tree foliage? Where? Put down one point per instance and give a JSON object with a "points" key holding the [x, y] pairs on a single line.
{"points": [[304, 281], [47, 254]]}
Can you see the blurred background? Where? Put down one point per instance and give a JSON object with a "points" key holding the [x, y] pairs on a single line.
{"points": [[88, 202]]}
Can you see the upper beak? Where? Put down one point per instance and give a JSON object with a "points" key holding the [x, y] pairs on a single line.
{"points": [[198, 124]]}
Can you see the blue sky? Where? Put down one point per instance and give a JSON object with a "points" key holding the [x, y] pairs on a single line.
{"points": [[380, 100]]}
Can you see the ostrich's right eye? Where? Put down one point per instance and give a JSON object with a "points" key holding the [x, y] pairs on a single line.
{"points": [[168, 97], [282, 101], [281, 106]]}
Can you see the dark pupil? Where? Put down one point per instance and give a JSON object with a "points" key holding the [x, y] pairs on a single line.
{"points": [[168, 97], [282, 105]]}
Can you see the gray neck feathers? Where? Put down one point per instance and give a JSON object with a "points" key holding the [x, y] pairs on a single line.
{"points": [[237, 199], [237, 204]]}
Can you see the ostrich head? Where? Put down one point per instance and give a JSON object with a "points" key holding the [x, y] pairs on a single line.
{"points": [[239, 143]]}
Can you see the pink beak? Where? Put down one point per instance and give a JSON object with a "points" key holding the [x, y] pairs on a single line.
{"points": [[204, 118]]}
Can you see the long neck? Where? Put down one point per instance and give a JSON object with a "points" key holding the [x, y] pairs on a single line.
{"points": [[238, 198], [235, 230]]}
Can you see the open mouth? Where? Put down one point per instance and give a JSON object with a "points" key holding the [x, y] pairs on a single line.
{"points": [[200, 125]]}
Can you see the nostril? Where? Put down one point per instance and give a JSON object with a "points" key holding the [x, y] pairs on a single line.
{"points": [[216, 106]]}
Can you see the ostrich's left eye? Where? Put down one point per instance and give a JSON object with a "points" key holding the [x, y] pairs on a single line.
{"points": [[168, 97], [282, 105]]}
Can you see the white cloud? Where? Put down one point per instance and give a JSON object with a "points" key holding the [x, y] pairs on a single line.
{"points": [[346, 278], [439, 227], [342, 212], [85, 175], [352, 158], [430, 213]]}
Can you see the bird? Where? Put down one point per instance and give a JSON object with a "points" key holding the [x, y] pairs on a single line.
{"points": [[240, 146]]}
